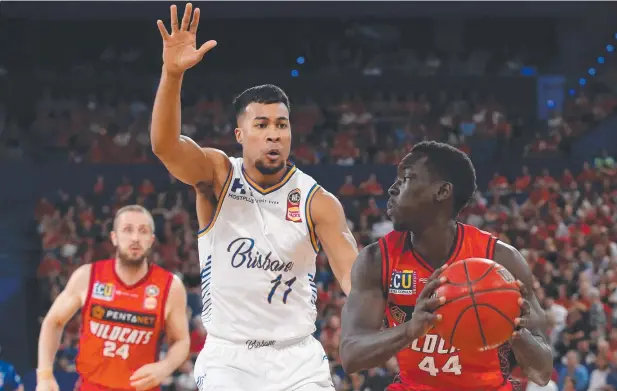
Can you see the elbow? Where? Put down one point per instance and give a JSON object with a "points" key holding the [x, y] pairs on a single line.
{"points": [[349, 359], [157, 148], [542, 379], [543, 376]]}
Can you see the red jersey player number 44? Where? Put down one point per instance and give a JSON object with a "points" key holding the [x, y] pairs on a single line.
{"points": [[392, 312]]}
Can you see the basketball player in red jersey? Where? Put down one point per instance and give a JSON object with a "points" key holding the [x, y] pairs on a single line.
{"points": [[393, 282], [127, 304]]}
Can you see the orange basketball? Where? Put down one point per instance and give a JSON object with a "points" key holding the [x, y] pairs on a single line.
{"points": [[481, 305]]}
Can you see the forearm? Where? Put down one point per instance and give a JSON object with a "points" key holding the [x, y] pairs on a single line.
{"points": [[177, 354], [345, 283], [372, 349], [49, 342], [535, 357], [166, 113]]}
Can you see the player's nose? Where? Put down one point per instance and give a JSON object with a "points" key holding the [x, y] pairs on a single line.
{"points": [[273, 138]]}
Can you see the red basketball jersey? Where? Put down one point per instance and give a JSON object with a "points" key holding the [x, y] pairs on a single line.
{"points": [[429, 363], [121, 326]]}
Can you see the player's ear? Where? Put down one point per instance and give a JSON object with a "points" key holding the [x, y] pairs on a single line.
{"points": [[443, 191], [114, 239], [239, 135]]}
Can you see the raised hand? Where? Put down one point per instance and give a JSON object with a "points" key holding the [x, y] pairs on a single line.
{"points": [[179, 48]]}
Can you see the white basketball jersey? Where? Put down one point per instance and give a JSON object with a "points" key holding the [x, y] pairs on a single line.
{"points": [[257, 260]]}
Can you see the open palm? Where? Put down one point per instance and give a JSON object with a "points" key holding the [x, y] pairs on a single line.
{"points": [[179, 48]]}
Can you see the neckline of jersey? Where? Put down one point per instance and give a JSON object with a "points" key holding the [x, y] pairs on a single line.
{"points": [[454, 250], [291, 170]]}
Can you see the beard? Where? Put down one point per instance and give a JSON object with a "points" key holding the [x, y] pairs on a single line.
{"points": [[262, 168], [128, 260]]}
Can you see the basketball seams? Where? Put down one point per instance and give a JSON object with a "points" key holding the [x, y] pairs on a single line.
{"points": [[478, 293], [473, 301], [496, 310], [455, 325], [476, 280]]}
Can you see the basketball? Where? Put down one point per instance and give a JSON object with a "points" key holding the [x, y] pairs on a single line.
{"points": [[481, 305]]}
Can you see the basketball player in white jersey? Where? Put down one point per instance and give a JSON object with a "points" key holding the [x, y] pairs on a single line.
{"points": [[262, 221]]}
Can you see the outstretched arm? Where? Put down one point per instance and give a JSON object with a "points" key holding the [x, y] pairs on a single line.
{"points": [[529, 342], [363, 344], [335, 237], [184, 159]]}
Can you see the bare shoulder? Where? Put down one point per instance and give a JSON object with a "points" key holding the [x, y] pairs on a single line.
{"points": [[366, 271], [79, 282], [325, 204], [510, 258], [219, 160], [176, 290]]}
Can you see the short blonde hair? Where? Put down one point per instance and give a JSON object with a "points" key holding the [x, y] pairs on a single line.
{"points": [[134, 208]]}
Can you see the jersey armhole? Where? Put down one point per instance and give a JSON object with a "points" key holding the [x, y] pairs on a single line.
{"points": [[309, 218], [170, 280], [385, 266], [490, 247], [90, 283], [219, 203]]}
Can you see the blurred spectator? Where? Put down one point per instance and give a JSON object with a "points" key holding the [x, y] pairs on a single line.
{"points": [[574, 376], [9, 379]]}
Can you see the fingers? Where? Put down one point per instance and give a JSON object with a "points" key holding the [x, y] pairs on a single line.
{"points": [[430, 319], [143, 384], [186, 18], [173, 11], [431, 304], [430, 287], [162, 29], [140, 374], [437, 272], [195, 21], [206, 47], [522, 288], [525, 306]]}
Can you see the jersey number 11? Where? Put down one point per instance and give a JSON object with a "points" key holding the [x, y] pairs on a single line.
{"points": [[276, 282]]}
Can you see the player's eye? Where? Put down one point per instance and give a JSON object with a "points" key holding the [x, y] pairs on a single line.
{"points": [[261, 126], [282, 125]]}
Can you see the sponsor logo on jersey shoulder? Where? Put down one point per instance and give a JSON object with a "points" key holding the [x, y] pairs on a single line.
{"points": [[152, 291], [102, 291], [293, 206], [403, 282], [150, 303]]}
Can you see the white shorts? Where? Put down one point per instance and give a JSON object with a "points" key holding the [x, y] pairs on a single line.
{"points": [[291, 366]]}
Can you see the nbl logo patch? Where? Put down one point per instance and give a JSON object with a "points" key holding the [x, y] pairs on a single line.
{"points": [[103, 291], [403, 282], [293, 206]]}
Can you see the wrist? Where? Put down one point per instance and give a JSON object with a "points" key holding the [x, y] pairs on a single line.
{"points": [[410, 333], [43, 374], [172, 74], [167, 368]]}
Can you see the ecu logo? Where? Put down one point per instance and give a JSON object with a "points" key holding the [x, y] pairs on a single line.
{"points": [[403, 282], [103, 291]]}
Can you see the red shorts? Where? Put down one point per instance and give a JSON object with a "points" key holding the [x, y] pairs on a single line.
{"points": [[403, 387], [85, 385]]}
